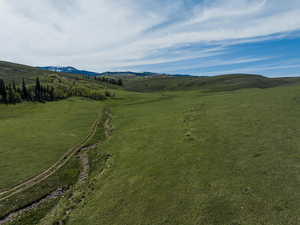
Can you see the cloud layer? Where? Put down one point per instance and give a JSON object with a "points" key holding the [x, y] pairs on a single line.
{"points": [[131, 34]]}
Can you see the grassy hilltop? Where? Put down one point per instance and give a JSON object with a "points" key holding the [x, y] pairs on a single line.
{"points": [[222, 150], [12, 71], [228, 82]]}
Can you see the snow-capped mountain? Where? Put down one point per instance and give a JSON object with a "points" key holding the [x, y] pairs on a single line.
{"points": [[69, 69]]}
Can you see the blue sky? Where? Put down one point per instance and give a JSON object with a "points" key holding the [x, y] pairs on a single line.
{"points": [[199, 37]]}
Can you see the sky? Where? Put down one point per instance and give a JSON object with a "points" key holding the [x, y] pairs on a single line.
{"points": [[197, 37]]}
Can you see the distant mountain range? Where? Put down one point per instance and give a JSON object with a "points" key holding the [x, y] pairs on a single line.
{"points": [[69, 69], [73, 70]]}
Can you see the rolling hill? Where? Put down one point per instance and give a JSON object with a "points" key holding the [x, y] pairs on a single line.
{"points": [[148, 82], [16, 72], [195, 158], [167, 150], [228, 82], [151, 82], [12, 71]]}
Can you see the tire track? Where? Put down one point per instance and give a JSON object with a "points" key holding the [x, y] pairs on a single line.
{"points": [[53, 169]]}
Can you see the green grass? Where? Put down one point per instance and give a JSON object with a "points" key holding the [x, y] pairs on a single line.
{"points": [[63, 178], [216, 83], [215, 151], [11, 71], [76, 196], [35, 215], [34, 136], [16, 72], [224, 158]]}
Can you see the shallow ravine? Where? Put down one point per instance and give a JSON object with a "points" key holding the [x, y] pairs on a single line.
{"points": [[78, 192], [81, 153], [19, 212], [83, 158]]}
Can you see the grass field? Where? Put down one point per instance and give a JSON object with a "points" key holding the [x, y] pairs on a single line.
{"points": [[63, 178], [224, 158], [34, 136], [192, 151], [228, 82]]}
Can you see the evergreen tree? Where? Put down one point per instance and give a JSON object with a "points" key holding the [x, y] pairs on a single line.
{"points": [[42, 92], [25, 94], [3, 91], [2, 86], [37, 89], [120, 82], [14, 86], [51, 93], [12, 95], [47, 93]]}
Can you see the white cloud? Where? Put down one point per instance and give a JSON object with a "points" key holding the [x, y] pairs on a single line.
{"points": [[217, 62], [105, 34]]}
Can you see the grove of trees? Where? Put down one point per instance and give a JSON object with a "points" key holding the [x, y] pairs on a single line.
{"points": [[110, 80], [12, 93]]}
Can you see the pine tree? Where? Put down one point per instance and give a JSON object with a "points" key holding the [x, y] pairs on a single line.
{"points": [[2, 86], [3, 91], [47, 93], [37, 90], [52, 96], [14, 86], [42, 92], [11, 94], [25, 93], [120, 82]]}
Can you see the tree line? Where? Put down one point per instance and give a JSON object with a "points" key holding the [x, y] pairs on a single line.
{"points": [[109, 80], [103, 79], [12, 93]]}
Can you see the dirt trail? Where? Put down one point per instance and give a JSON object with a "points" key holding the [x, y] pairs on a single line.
{"points": [[83, 176], [81, 150], [53, 169]]}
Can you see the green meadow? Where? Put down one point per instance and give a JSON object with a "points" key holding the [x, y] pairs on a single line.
{"points": [[221, 150], [34, 136], [217, 158]]}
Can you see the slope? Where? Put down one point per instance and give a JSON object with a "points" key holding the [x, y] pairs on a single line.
{"points": [[200, 158], [216, 83], [33, 136]]}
